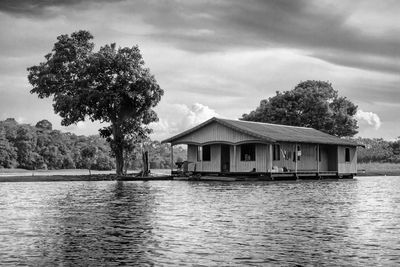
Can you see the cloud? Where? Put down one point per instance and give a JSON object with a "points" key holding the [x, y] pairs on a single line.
{"points": [[323, 28], [180, 117], [42, 8], [368, 118]]}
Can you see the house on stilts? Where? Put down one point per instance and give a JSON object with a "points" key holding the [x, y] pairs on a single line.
{"points": [[242, 148]]}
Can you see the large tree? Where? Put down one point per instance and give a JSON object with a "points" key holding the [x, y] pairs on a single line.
{"points": [[111, 85], [310, 104]]}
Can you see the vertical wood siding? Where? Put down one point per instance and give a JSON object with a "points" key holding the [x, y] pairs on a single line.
{"points": [[332, 159], [214, 132], [347, 167], [308, 158], [260, 163], [214, 165]]}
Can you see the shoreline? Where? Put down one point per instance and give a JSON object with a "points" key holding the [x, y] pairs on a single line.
{"points": [[129, 177]]}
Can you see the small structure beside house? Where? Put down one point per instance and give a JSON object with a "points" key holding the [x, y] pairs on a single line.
{"points": [[242, 148]]}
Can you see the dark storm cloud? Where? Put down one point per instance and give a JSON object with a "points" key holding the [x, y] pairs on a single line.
{"points": [[316, 27], [204, 26], [39, 8]]}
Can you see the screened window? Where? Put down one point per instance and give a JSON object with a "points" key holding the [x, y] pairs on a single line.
{"points": [[276, 152], [347, 154], [248, 152], [206, 153]]}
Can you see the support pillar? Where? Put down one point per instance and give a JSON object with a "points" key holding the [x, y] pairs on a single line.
{"points": [[201, 158], [296, 155], [234, 158], [270, 163], [318, 158], [172, 158]]}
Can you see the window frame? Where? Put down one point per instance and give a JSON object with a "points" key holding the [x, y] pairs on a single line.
{"points": [[206, 153], [347, 156], [276, 152], [251, 149]]}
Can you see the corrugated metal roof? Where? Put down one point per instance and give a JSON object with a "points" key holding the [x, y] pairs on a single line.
{"points": [[273, 132]]}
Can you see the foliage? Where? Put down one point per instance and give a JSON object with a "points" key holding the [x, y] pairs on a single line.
{"points": [[45, 125], [310, 104], [25, 146], [8, 153], [88, 154], [111, 85], [378, 150]]}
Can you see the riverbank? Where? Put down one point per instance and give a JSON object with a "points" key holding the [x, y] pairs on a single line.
{"points": [[378, 169], [20, 175]]}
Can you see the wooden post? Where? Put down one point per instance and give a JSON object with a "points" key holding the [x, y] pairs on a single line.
{"points": [[318, 158], [201, 158], [234, 158], [296, 155], [172, 158], [270, 157]]}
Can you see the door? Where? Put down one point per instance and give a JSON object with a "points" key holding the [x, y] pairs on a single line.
{"points": [[225, 158]]}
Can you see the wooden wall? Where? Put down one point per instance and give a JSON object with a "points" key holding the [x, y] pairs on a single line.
{"points": [[308, 158], [261, 164], [214, 165], [332, 159], [347, 167], [214, 132]]}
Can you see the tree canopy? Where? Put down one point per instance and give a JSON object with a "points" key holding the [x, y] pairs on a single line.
{"points": [[312, 104], [35, 147], [111, 85]]}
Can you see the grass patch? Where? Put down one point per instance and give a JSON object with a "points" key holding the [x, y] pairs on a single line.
{"points": [[378, 169]]}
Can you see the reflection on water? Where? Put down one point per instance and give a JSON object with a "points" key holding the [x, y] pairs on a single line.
{"points": [[196, 223]]}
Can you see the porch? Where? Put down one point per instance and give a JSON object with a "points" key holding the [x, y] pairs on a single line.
{"points": [[262, 159]]}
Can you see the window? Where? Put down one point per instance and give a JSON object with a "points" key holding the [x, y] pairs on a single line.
{"points": [[276, 152], [347, 154], [248, 152], [297, 153], [199, 153], [206, 153]]}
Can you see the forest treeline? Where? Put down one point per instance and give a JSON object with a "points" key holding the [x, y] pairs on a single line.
{"points": [[40, 147], [378, 150]]}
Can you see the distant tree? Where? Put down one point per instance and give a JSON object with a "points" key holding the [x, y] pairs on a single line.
{"points": [[25, 143], [44, 124], [111, 85], [89, 157], [312, 104], [8, 154]]}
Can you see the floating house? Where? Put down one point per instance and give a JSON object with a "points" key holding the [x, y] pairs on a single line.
{"points": [[234, 147]]}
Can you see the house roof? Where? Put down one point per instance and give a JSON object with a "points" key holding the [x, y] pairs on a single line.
{"points": [[272, 132]]}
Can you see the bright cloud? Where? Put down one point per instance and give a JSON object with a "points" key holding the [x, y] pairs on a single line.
{"points": [[369, 118], [180, 117]]}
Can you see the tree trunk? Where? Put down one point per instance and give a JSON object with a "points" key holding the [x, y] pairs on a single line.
{"points": [[118, 149], [145, 171]]}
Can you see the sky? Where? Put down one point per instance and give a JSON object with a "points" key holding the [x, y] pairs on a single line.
{"points": [[217, 58]]}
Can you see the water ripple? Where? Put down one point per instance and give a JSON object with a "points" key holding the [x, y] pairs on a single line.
{"points": [[177, 223]]}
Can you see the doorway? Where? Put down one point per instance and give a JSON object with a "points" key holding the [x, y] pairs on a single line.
{"points": [[225, 158]]}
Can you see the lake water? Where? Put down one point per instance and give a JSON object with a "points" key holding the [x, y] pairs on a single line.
{"points": [[172, 223]]}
